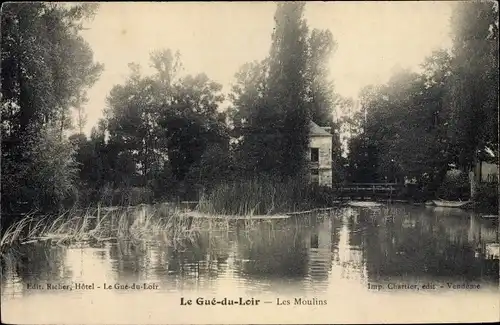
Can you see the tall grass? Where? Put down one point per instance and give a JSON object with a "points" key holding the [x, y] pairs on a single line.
{"points": [[264, 197], [140, 222]]}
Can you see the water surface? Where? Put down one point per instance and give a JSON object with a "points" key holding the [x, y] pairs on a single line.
{"points": [[353, 265]]}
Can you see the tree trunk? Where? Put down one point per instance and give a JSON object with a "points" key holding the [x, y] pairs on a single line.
{"points": [[473, 178]]}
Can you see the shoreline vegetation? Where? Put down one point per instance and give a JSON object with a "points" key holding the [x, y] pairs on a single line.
{"points": [[101, 224], [175, 222], [248, 201]]}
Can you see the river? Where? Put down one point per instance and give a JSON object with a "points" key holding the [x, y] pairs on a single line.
{"points": [[401, 263]]}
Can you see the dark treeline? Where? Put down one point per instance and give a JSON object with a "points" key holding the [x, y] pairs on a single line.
{"points": [[421, 124], [163, 135], [167, 136]]}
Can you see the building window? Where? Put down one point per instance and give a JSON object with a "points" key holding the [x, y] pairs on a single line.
{"points": [[315, 154]]}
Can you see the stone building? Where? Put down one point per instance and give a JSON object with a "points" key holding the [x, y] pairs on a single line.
{"points": [[320, 155]]}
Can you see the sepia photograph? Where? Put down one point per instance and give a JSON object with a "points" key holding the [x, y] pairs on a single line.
{"points": [[286, 162]]}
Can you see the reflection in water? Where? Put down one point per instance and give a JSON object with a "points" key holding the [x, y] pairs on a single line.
{"points": [[428, 245], [329, 254]]}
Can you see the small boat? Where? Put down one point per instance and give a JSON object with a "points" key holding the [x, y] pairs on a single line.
{"points": [[489, 216], [364, 204], [450, 204]]}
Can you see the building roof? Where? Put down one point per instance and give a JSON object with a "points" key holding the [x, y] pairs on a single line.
{"points": [[315, 129]]}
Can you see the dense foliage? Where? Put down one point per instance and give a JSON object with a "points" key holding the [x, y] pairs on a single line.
{"points": [[167, 135], [46, 69], [421, 124], [274, 100]]}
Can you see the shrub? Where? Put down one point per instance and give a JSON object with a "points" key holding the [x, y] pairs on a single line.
{"points": [[125, 196], [45, 176], [455, 186], [486, 197]]}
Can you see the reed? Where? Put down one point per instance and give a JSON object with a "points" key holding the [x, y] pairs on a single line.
{"points": [[143, 222], [263, 197], [15, 231], [134, 223]]}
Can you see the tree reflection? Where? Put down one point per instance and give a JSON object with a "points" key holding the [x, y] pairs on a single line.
{"points": [[421, 243], [266, 251], [404, 243], [34, 263]]}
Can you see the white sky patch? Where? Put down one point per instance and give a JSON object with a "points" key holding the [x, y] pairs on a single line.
{"points": [[217, 38]]}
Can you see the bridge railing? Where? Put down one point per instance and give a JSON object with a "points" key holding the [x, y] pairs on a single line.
{"points": [[371, 185]]}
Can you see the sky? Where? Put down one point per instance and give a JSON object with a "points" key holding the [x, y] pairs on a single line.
{"points": [[373, 38]]}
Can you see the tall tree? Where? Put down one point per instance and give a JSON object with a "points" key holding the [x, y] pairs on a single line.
{"points": [[192, 122], [274, 99], [81, 116], [287, 86], [474, 86], [404, 127], [255, 123], [131, 115], [247, 93], [46, 66], [321, 95], [271, 110], [165, 123]]}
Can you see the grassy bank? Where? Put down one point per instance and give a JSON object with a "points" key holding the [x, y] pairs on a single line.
{"points": [[262, 197]]}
